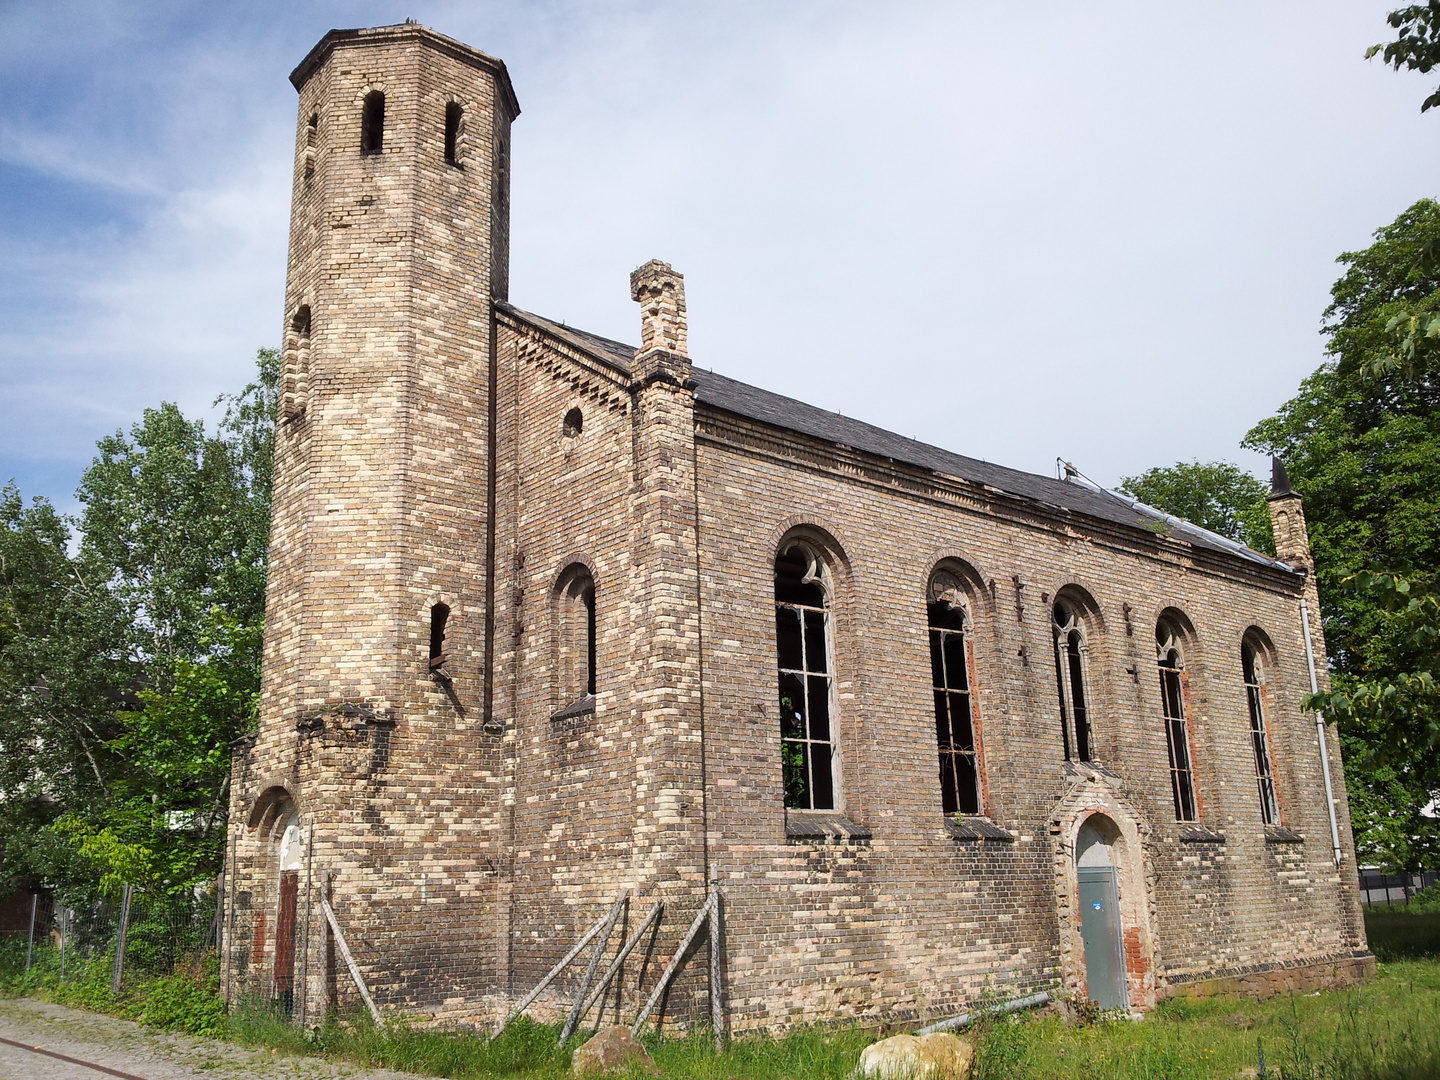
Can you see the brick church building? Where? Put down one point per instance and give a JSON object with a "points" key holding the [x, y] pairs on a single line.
{"points": [[553, 618]]}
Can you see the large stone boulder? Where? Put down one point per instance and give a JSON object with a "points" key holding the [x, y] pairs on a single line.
{"points": [[938, 1056], [613, 1049]]}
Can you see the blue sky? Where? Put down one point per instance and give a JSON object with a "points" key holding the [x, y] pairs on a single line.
{"points": [[1104, 231]]}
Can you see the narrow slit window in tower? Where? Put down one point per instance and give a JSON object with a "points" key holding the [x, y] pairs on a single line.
{"points": [[453, 114], [439, 615], [372, 123]]}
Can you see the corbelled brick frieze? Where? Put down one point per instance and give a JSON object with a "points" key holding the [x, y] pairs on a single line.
{"points": [[527, 619]]}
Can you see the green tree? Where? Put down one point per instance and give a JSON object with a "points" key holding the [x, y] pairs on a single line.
{"points": [[63, 667], [1361, 442], [1417, 46], [1217, 495], [128, 668]]}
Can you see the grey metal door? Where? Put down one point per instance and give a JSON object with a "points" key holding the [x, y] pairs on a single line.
{"points": [[1100, 927]]}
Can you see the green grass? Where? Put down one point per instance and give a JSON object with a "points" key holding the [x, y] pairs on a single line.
{"points": [[1387, 1029], [1398, 934]]}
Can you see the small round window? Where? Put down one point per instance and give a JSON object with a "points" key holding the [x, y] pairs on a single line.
{"points": [[574, 423]]}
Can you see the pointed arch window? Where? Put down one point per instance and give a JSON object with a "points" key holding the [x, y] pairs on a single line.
{"points": [[807, 684], [1071, 663], [955, 730], [1253, 672], [1170, 659]]}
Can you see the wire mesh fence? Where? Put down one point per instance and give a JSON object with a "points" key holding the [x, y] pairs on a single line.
{"points": [[1378, 888], [134, 935]]}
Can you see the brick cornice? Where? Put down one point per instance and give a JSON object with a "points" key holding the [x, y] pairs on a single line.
{"points": [[720, 428], [384, 35]]}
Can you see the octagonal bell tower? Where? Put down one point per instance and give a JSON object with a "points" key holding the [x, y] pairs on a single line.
{"points": [[377, 633]]}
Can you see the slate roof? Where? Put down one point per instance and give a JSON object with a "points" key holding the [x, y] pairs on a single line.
{"points": [[730, 395]]}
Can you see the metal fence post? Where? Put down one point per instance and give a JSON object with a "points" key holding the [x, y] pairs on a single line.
{"points": [[120, 939], [30, 949], [64, 926]]}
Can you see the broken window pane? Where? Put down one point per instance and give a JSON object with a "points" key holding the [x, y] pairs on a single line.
{"points": [[942, 720], [937, 660], [818, 702], [822, 776], [962, 734], [787, 639], [815, 650]]}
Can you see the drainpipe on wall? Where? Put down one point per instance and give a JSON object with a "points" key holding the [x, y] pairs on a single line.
{"points": [[1320, 730]]}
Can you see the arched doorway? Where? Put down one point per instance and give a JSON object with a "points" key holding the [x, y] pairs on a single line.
{"points": [[1101, 927]]}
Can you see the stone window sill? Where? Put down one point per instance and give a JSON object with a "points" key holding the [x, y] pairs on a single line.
{"points": [[1275, 834], [584, 707], [974, 828], [1199, 834], [822, 825]]}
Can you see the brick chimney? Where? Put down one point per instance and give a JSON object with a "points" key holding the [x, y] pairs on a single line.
{"points": [[664, 351]]}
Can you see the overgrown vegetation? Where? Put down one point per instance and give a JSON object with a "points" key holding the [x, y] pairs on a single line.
{"points": [[1387, 1029]]}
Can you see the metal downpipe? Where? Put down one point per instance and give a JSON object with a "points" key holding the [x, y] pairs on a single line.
{"points": [[1320, 730]]}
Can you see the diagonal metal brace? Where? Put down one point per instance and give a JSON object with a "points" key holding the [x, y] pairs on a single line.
{"points": [[574, 1017], [549, 978], [705, 910], [350, 960], [629, 946]]}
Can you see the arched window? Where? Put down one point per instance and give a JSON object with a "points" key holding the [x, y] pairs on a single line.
{"points": [[453, 116], [1171, 661], [955, 732], [372, 123], [575, 641], [1253, 671], [807, 686], [295, 381], [1071, 658]]}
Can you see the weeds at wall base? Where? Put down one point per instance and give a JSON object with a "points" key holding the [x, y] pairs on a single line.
{"points": [[1387, 1029]]}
